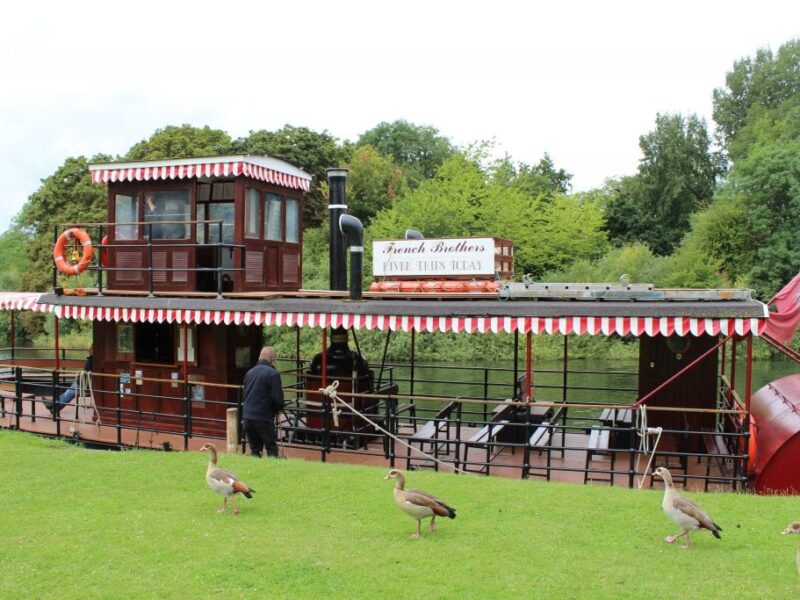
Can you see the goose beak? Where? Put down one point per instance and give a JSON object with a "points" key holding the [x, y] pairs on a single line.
{"points": [[389, 477]]}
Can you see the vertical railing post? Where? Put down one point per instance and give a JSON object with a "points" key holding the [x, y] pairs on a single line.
{"points": [[12, 335], [240, 417], [326, 427], [632, 444], [458, 436], [100, 263], [413, 360], [18, 395], [187, 411], [56, 412], [150, 258], [485, 391], [526, 451], [516, 367], [219, 259], [120, 385]]}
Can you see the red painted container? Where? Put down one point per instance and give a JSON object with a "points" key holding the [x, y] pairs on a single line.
{"points": [[775, 409]]}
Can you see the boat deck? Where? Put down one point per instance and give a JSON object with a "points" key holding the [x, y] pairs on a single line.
{"points": [[565, 462]]}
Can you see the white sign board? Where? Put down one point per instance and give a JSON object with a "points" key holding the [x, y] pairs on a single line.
{"points": [[433, 257]]}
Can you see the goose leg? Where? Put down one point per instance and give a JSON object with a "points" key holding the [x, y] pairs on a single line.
{"points": [[433, 523], [671, 538], [418, 533], [688, 543], [221, 509], [235, 508]]}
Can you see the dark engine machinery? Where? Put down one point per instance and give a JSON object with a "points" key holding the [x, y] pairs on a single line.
{"points": [[352, 372]]}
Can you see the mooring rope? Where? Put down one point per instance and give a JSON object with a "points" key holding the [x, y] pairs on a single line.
{"points": [[331, 393], [644, 442]]}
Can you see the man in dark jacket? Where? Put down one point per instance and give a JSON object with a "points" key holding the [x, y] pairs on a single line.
{"points": [[263, 400]]}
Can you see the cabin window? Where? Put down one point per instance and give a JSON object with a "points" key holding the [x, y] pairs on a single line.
{"points": [[292, 221], [220, 211], [165, 210], [204, 192], [126, 210], [272, 218], [215, 211], [222, 190], [124, 341], [252, 213], [154, 343]]}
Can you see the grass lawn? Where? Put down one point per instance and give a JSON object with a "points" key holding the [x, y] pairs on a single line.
{"points": [[76, 523]]}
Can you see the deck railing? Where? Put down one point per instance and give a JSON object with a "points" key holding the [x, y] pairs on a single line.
{"points": [[146, 245], [598, 443]]}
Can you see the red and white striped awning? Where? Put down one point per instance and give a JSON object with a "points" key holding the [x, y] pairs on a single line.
{"points": [[573, 325], [22, 301], [636, 326], [263, 168]]}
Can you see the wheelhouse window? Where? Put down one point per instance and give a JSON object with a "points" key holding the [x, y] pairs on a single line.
{"points": [[154, 343], [126, 210], [215, 204], [165, 210], [273, 230], [292, 221], [252, 213]]}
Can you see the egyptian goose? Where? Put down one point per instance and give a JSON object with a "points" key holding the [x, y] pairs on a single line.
{"points": [[224, 482], [418, 503], [684, 513], [794, 528]]}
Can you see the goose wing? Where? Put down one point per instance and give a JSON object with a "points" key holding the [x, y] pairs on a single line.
{"points": [[690, 509], [423, 498]]}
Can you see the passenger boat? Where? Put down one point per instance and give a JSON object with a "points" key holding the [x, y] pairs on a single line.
{"points": [[198, 255]]}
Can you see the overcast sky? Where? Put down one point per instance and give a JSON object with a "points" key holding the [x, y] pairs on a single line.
{"points": [[579, 80]]}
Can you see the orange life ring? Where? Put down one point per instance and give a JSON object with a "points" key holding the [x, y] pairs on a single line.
{"points": [[61, 243], [104, 252]]}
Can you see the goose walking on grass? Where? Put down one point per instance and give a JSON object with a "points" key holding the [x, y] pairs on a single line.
{"points": [[683, 512], [224, 482], [419, 504], [794, 528]]}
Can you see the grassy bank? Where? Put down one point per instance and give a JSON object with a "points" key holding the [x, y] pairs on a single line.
{"points": [[134, 524]]}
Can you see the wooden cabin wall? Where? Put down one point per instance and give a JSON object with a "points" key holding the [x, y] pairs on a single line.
{"points": [[660, 359], [223, 354]]}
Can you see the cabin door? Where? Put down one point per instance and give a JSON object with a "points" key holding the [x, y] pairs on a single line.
{"points": [[215, 234]]}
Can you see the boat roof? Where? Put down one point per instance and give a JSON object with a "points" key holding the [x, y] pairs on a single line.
{"points": [[263, 168], [481, 315]]}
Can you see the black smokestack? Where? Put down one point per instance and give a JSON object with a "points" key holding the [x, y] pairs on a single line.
{"points": [[337, 206], [353, 230]]}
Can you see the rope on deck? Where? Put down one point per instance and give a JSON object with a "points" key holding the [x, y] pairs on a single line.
{"points": [[331, 393]]}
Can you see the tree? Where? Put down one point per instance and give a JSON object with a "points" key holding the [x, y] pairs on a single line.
{"points": [[677, 176], [417, 149], [463, 200], [312, 151], [67, 196], [374, 182], [185, 141], [765, 81], [542, 179]]}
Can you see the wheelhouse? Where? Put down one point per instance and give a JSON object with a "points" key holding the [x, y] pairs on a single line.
{"points": [[227, 224]]}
